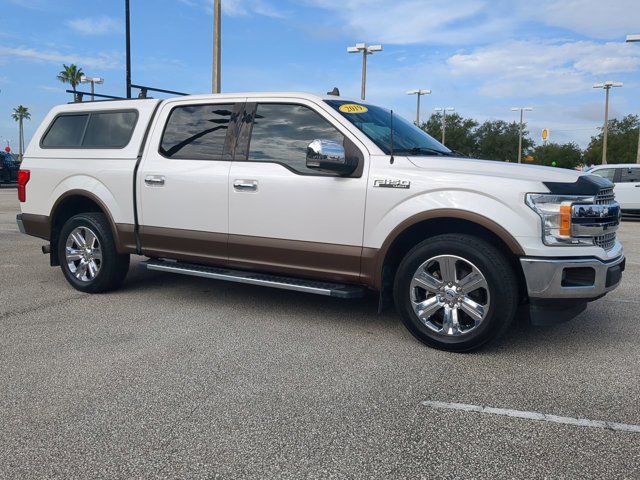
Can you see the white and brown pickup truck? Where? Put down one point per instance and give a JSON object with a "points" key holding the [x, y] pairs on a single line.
{"points": [[322, 195]]}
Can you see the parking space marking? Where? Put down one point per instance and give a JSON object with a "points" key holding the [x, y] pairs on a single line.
{"points": [[540, 417]]}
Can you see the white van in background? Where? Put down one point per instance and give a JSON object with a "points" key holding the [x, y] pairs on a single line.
{"points": [[626, 177]]}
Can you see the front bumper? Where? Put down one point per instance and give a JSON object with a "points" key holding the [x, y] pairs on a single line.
{"points": [[559, 289], [585, 278], [20, 223]]}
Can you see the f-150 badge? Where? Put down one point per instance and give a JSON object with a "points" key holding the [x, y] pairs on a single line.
{"points": [[388, 183]]}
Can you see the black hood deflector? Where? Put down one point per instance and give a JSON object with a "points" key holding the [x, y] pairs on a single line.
{"points": [[585, 185]]}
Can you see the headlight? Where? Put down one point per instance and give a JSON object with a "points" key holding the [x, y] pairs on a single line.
{"points": [[556, 214]]}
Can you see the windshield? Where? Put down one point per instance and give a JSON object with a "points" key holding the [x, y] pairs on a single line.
{"points": [[375, 123]]}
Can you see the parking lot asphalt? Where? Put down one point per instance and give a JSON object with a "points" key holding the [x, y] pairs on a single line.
{"points": [[180, 377]]}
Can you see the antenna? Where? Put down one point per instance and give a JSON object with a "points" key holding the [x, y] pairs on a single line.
{"points": [[391, 160]]}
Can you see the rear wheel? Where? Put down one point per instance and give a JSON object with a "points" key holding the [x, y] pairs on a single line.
{"points": [[456, 292], [88, 255]]}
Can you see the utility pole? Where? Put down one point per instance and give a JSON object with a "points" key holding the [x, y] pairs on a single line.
{"points": [[418, 93], [634, 39], [522, 110], [366, 50], [128, 46], [92, 81], [607, 86], [216, 77], [444, 119]]}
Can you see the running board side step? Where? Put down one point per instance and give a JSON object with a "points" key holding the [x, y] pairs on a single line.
{"points": [[253, 278]]}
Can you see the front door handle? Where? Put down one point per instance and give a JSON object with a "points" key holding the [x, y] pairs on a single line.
{"points": [[154, 180], [245, 185]]}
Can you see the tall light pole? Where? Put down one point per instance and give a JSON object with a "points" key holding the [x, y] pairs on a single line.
{"points": [[365, 50], [444, 111], [633, 39], [522, 110], [93, 81], [606, 86], [418, 93], [215, 78], [127, 32]]}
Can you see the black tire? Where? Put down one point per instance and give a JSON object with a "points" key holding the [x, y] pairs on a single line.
{"points": [[500, 278], [113, 267]]}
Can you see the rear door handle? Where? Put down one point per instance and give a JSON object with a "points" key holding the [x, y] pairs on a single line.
{"points": [[154, 180], [245, 185]]}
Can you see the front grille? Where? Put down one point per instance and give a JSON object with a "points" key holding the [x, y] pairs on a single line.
{"points": [[605, 196], [606, 241]]}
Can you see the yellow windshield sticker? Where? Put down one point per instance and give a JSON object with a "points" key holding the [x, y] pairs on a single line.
{"points": [[353, 108]]}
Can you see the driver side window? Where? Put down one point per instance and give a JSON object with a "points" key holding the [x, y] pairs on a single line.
{"points": [[282, 132]]}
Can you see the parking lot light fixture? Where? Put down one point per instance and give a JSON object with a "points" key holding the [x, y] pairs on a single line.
{"points": [[444, 111], [606, 86], [365, 50], [93, 81], [418, 93], [522, 110]]}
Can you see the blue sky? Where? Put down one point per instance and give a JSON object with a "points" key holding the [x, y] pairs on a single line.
{"points": [[480, 56]]}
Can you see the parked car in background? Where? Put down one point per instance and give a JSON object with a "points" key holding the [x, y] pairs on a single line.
{"points": [[9, 166], [626, 178]]}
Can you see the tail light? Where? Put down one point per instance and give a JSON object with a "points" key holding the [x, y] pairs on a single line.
{"points": [[23, 179]]}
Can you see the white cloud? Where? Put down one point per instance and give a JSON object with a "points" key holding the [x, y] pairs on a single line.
{"points": [[95, 26], [101, 61], [591, 18], [240, 8], [520, 68], [416, 21]]}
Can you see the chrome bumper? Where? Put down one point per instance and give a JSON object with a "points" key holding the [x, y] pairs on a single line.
{"points": [[581, 278], [20, 223]]}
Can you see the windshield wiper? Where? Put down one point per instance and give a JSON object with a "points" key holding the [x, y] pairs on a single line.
{"points": [[427, 150]]}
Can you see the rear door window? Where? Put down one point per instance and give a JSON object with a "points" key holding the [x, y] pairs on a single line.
{"points": [[196, 132], [629, 175]]}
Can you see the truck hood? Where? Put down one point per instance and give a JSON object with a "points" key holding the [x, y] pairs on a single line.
{"points": [[491, 168]]}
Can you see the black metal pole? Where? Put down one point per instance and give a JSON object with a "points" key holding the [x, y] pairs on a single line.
{"points": [[128, 47]]}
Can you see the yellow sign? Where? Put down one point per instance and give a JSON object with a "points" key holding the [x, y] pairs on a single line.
{"points": [[353, 108], [545, 134]]}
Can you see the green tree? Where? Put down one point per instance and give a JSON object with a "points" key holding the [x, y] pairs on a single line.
{"points": [[498, 140], [459, 132], [70, 74], [20, 114], [568, 155], [622, 142]]}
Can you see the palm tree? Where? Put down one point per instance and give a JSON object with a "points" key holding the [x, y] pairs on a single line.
{"points": [[20, 114], [70, 74]]}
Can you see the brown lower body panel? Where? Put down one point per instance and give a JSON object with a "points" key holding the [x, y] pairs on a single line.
{"points": [[37, 225], [207, 248], [321, 261]]}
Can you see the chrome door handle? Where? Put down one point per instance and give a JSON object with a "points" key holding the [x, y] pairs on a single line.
{"points": [[154, 180], [245, 185]]}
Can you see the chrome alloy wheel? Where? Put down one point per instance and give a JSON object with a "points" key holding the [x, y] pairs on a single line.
{"points": [[83, 254], [450, 295]]}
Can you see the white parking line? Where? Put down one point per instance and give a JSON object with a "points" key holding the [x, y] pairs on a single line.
{"points": [[541, 417]]}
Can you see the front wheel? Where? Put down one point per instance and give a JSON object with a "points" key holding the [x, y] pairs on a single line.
{"points": [[456, 292], [88, 255]]}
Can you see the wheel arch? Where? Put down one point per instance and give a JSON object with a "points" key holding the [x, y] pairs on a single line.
{"points": [[380, 265], [74, 202]]}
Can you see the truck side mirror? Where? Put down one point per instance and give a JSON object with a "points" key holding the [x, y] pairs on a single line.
{"points": [[329, 156]]}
